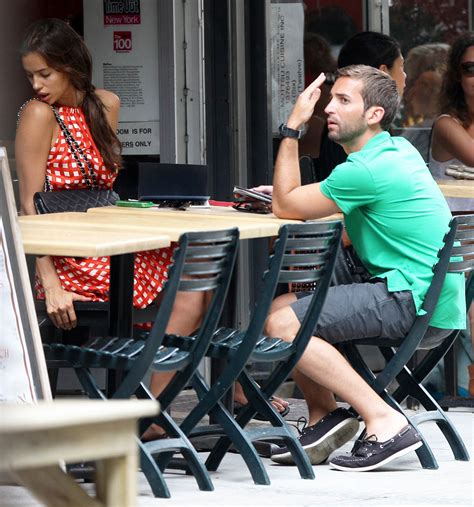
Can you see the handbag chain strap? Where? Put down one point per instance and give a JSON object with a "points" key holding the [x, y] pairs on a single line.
{"points": [[76, 150]]}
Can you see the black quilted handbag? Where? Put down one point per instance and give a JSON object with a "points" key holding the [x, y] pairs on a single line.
{"points": [[59, 201], [73, 200]]}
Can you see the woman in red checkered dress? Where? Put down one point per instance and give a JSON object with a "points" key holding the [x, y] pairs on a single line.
{"points": [[58, 66]]}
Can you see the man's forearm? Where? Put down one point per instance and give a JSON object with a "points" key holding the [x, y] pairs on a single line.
{"points": [[286, 176]]}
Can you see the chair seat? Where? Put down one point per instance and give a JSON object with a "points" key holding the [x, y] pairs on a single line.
{"points": [[266, 349], [226, 342], [115, 354], [381, 342]]}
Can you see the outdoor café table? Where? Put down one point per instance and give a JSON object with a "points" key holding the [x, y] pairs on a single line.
{"points": [[176, 222], [73, 227], [76, 235], [34, 437], [457, 188]]}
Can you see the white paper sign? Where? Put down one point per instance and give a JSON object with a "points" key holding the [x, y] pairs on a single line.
{"points": [[16, 380], [123, 39], [287, 58]]}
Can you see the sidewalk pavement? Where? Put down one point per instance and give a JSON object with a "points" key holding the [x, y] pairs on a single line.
{"points": [[401, 483]]}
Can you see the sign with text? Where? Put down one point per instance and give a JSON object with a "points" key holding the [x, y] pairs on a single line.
{"points": [[287, 58], [122, 12], [23, 374], [123, 39]]}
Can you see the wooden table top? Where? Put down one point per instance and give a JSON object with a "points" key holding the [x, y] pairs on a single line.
{"points": [[225, 216], [457, 188], [42, 235], [172, 225], [20, 417]]}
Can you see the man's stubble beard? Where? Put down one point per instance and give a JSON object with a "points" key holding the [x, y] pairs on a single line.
{"points": [[348, 133]]}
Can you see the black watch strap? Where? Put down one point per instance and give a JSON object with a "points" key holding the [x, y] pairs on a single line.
{"points": [[288, 132]]}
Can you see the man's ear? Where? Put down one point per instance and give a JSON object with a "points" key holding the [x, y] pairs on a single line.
{"points": [[374, 114], [383, 68]]}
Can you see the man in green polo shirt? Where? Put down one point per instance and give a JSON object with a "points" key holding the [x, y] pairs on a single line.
{"points": [[396, 218]]}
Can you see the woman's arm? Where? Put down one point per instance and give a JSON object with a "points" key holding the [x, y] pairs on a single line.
{"points": [[37, 130], [452, 140]]}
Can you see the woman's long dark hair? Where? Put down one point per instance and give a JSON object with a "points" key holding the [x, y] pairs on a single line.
{"points": [[452, 99], [65, 51]]}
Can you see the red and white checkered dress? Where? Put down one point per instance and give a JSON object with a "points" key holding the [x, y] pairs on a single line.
{"points": [[90, 277]]}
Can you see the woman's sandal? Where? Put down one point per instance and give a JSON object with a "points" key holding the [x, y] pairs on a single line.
{"points": [[259, 417], [149, 435]]}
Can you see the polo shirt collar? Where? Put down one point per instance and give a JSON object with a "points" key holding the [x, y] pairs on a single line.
{"points": [[378, 139]]}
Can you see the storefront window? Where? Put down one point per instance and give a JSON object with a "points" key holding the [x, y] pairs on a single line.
{"points": [[425, 30]]}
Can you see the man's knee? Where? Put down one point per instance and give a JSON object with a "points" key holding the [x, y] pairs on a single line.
{"points": [[282, 323], [282, 301]]}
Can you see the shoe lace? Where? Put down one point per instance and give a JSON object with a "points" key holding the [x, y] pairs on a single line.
{"points": [[301, 424], [362, 445]]}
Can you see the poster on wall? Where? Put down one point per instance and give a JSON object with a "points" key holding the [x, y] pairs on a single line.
{"points": [[123, 39], [16, 378], [23, 373], [287, 57]]}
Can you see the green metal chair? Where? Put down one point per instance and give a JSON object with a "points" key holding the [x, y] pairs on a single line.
{"points": [[297, 250], [203, 261], [456, 256]]}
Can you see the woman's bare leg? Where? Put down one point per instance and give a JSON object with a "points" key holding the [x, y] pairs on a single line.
{"points": [[186, 316]]}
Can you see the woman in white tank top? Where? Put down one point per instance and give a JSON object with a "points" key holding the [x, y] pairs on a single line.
{"points": [[452, 140]]}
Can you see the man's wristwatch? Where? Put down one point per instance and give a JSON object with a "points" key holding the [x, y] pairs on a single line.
{"points": [[292, 133]]}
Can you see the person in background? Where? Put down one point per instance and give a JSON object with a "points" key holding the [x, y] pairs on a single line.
{"points": [[365, 48], [424, 67], [452, 146], [452, 140], [396, 217]]}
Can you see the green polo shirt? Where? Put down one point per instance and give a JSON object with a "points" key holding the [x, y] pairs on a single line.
{"points": [[396, 217]]}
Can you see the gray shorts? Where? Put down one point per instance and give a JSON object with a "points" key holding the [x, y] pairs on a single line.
{"points": [[357, 308]]}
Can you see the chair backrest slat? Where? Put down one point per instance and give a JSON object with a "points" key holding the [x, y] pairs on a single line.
{"points": [[309, 243], [461, 266], [464, 250], [462, 254], [199, 285], [302, 275], [204, 268], [309, 259]]}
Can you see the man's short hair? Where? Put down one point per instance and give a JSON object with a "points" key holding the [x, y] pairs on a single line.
{"points": [[378, 89]]}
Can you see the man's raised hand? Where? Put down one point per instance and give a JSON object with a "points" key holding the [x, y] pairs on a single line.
{"points": [[304, 106]]}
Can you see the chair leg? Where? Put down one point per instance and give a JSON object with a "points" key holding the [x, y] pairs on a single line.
{"points": [[152, 473], [187, 449], [283, 432], [243, 445], [229, 426], [424, 453], [53, 374], [258, 401], [409, 385], [433, 413]]}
